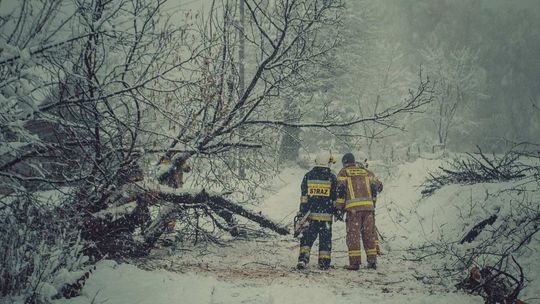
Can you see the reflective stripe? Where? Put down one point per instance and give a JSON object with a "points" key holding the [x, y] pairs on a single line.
{"points": [[325, 217], [368, 186], [319, 185], [303, 200], [359, 199], [355, 253], [351, 189], [371, 252], [319, 189], [356, 172], [324, 255], [323, 214], [358, 202], [377, 242], [305, 250], [340, 201], [341, 178], [318, 181], [355, 204]]}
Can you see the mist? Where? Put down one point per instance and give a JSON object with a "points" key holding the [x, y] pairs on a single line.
{"points": [[481, 56]]}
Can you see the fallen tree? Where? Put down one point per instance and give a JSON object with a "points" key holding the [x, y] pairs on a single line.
{"points": [[117, 236], [220, 204]]}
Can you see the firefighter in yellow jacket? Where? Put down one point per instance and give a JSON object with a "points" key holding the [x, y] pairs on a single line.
{"points": [[355, 197], [376, 188]]}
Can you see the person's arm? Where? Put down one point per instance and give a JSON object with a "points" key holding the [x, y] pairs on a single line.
{"points": [[304, 202], [375, 184], [378, 185], [333, 193], [338, 212], [341, 190]]}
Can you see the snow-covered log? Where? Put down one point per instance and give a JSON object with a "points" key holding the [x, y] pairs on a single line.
{"points": [[112, 233], [217, 202]]}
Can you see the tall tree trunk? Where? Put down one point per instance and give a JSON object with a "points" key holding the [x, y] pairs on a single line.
{"points": [[290, 141], [241, 77]]}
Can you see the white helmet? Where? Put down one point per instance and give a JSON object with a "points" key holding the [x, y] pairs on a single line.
{"points": [[361, 159], [324, 159]]}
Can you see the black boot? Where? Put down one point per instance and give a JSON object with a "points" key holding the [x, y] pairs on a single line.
{"points": [[354, 263], [324, 264]]}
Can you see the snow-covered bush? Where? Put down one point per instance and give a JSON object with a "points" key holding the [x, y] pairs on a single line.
{"points": [[498, 232], [477, 168], [484, 214], [40, 251]]}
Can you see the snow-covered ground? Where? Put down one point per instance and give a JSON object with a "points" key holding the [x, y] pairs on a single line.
{"points": [[261, 270]]}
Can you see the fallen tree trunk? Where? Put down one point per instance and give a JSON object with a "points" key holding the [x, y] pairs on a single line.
{"points": [[255, 217], [112, 235], [215, 201]]}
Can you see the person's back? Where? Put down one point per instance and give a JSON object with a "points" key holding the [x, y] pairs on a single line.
{"points": [[376, 188], [355, 197], [319, 184], [358, 195], [318, 194]]}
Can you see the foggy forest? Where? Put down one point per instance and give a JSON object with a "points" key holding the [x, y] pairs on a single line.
{"points": [[159, 151]]}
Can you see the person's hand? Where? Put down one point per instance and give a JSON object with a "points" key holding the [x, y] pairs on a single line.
{"points": [[339, 215], [332, 160]]}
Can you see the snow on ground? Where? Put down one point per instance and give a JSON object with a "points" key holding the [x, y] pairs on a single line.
{"points": [[261, 270], [124, 283], [396, 218]]}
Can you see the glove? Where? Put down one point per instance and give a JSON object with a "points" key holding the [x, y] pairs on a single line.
{"points": [[332, 160], [339, 215]]}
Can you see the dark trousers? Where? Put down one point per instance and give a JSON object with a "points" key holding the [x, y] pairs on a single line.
{"points": [[361, 228], [324, 231]]}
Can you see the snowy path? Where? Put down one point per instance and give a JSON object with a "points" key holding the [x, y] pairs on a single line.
{"points": [[261, 264], [261, 270]]}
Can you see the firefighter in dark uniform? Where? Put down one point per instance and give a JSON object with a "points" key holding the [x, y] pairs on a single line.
{"points": [[318, 197]]}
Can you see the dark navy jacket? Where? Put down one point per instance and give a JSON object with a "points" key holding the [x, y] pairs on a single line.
{"points": [[319, 192]]}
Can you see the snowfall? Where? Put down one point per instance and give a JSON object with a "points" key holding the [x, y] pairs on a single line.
{"points": [[261, 270]]}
